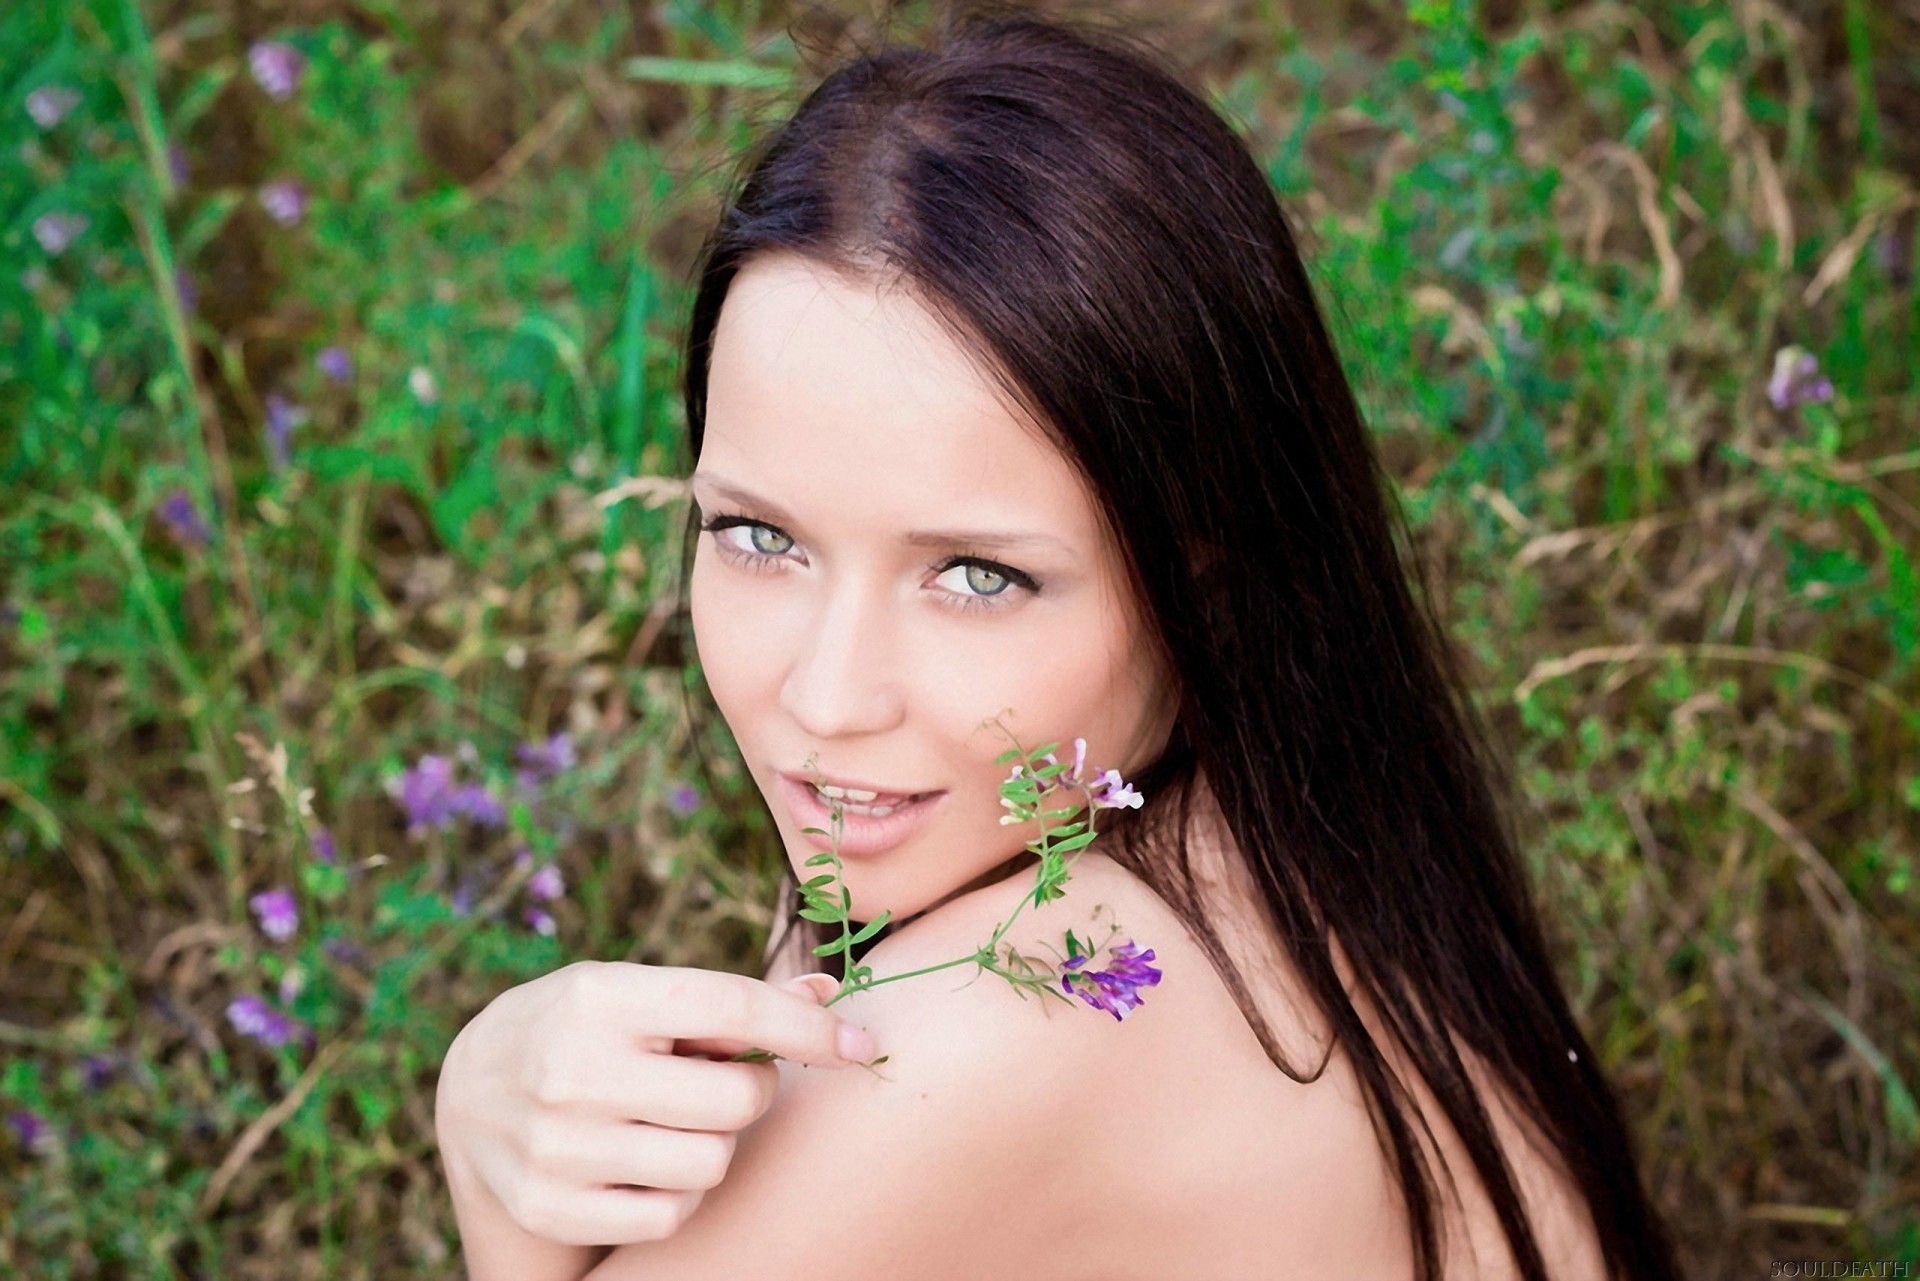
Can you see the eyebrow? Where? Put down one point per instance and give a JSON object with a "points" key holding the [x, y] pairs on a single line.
{"points": [[991, 538]]}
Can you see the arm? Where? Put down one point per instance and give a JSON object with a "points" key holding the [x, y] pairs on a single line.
{"points": [[494, 1246], [498, 1249], [961, 1156]]}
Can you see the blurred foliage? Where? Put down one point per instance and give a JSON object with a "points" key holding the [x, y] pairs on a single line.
{"points": [[339, 434]]}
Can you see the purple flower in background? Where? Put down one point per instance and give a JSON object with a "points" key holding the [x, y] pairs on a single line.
{"points": [[279, 915], [342, 951], [183, 519], [177, 164], [682, 799], [541, 761], [284, 200], [334, 364], [324, 849], [188, 292], [1796, 379], [251, 1016], [49, 104], [431, 798], [1115, 989], [282, 417], [541, 921], [426, 792], [277, 66], [546, 884], [96, 1070], [480, 805], [55, 231], [28, 1129]]}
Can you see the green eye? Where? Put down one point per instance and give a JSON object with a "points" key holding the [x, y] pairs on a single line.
{"points": [[754, 532]]}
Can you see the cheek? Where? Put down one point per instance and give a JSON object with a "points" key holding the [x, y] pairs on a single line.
{"points": [[720, 637]]}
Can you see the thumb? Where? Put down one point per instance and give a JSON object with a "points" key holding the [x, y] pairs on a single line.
{"points": [[816, 987]]}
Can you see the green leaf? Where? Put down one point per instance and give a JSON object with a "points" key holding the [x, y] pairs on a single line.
{"points": [[824, 917], [825, 878], [818, 859], [828, 949], [873, 927], [1072, 843]]}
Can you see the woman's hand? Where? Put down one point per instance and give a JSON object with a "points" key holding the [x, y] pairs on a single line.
{"points": [[571, 1105]]}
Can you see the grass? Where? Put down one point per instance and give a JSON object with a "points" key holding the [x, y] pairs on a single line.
{"points": [[1562, 244]]}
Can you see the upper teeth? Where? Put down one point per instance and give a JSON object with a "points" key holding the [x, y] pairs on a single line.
{"points": [[858, 796]]}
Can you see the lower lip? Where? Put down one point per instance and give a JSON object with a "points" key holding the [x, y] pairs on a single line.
{"points": [[860, 834]]}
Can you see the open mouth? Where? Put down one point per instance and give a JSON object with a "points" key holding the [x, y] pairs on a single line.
{"points": [[866, 827]]}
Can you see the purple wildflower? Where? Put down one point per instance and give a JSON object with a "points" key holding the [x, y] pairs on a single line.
{"points": [[1116, 988], [478, 804], [282, 417], [323, 846], [177, 164], [426, 793], [1796, 379], [49, 104], [55, 231], [251, 1016], [186, 290], [98, 1069], [334, 364], [546, 884], [544, 760], [279, 915], [682, 799], [28, 1129], [290, 984], [1110, 791], [183, 520], [342, 951], [277, 66], [541, 921], [284, 200], [461, 900]]}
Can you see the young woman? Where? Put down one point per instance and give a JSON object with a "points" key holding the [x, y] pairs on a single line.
{"points": [[1010, 398]]}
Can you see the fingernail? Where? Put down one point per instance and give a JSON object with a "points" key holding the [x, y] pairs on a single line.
{"points": [[856, 1045]]}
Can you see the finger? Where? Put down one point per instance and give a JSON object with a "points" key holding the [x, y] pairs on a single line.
{"points": [[816, 987], [688, 1004], [690, 1094], [608, 1215], [632, 1154]]}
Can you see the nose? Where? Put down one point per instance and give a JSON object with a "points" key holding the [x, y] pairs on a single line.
{"points": [[843, 680]]}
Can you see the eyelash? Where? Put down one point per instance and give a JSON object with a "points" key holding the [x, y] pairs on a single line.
{"points": [[759, 562]]}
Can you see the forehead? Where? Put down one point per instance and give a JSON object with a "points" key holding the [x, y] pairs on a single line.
{"points": [[856, 388]]}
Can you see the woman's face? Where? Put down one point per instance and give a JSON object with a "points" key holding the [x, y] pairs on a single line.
{"points": [[841, 624]]}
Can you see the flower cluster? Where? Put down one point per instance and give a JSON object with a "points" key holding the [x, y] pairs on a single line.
{"points": [[277, 67], [254, 1016], [432, 799], [49, 104], [184, 521], [1115, 989], [1796, 379], [1105, 788], [279, 916]]}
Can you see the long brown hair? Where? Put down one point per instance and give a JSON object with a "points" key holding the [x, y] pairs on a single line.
{"points": [[1096, 234]]}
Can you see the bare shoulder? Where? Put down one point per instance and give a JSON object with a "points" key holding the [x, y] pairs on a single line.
{"points": [[1190, 1144]]}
